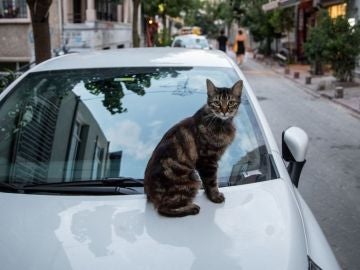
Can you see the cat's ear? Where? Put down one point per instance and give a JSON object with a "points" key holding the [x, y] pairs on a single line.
{"points": [[237, 88], [211, 88]]}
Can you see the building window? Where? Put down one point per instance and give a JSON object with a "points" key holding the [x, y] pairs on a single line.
{"points": [[12, 9], [97, 162], [337, 10], [79, 8], [73, 154], [106, 10]]}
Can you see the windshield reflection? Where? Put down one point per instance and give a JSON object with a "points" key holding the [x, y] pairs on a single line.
{"points": [[104, 123]]}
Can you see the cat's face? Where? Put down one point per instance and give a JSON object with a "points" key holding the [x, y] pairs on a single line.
{"points": [[224, 102]]}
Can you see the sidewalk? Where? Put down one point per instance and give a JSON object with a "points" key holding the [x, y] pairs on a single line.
{"points": [[323, 86]]}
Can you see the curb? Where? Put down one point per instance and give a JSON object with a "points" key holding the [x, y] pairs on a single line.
{"points": [[304, 87], [357, 111], [354, 111]]}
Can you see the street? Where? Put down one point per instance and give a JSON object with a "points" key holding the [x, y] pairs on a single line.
{"points": [[330, 182]]}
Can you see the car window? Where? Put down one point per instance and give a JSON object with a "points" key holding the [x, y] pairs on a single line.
{"points": [[75, 125], [197, 42], [178, 43], [202, 42]]}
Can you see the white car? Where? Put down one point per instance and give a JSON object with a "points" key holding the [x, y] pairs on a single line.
{"points": [[76, 133], [191, 41]]}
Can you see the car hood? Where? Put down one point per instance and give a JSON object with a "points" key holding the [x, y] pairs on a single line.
{"points": [[258, 227]]}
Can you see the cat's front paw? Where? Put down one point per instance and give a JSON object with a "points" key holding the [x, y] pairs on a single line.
{"points": [[216, 197], [194, 209]]}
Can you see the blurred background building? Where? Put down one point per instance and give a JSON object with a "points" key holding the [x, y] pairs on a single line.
{"points": [[75, 25], [305, 17]]}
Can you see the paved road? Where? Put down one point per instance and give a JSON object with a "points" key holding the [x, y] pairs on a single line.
{"points": [[330, 181]]}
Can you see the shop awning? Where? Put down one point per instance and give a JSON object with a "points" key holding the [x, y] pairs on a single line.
{"points": [[270, 6], [279, 4], [288, 3]]}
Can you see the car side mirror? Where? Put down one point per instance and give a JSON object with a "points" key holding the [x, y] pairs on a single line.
{"points": [[294, 147]]}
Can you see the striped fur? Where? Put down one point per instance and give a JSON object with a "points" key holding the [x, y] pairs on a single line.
{"points": [[190, 149]]}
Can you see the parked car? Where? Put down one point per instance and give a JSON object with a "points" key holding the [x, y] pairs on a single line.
{"points": [[191, 41], [76, 133]]}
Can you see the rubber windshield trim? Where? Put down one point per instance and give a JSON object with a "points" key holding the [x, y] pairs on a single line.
{"points": [[312, 265]]}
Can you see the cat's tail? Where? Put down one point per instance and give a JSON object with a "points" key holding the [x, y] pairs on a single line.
{"points": [[181, 211]]}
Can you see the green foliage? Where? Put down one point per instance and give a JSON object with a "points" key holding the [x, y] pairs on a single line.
{"points": [[6, 80], [119, 2], [163, 39], [113, 91], [193, 16], [204, 18], [316, 45], [172, 8], [178, 25], [265, 26], [334, 42], [282, 20], [214, 16], [343, 48], [260, 26], [224, 12]]}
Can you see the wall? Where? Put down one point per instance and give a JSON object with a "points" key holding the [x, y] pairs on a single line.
{"points": [[98, 35], [15, 42], [16, 36]]}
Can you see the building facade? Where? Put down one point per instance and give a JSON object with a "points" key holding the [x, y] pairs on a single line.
{"points": [[305, 17], [32, 148], [76, 25], [98, 24], [353, 11]]}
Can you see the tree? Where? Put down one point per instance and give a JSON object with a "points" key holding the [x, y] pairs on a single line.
{"points": [[135, 32], [39, 12], [204, 16], [334, 42], [7, 79], [316, 45], [225, 12], [165, 8], [282, 21], [261, 28], [343, 47], [113, 89]]}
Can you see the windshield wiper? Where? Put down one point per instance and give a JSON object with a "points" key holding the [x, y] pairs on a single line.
{"points": [[110, 186], [114, 181], [8, 187]]}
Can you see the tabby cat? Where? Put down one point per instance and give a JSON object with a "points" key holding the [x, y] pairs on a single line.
{"points": [[190, 151]]}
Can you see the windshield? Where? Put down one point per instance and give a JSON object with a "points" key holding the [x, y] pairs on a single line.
{"points": [[191, 42], [72, 125], [197, 42]]}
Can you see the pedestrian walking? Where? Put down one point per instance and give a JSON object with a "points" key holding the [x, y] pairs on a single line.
{"points": [[240, 46], [222, 41]]}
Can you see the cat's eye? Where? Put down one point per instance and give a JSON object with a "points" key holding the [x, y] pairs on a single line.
{"points": [[232, 103], [216, 103]]}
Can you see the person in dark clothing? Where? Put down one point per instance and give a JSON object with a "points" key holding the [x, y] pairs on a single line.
{"points": [[222, 41], [240, 46]]}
